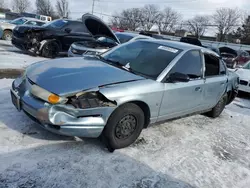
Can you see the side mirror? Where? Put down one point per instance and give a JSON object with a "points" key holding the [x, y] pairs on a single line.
{"points": [[178, 77], [67, 30]]}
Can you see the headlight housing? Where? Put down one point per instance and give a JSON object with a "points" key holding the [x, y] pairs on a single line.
{"points": [[90, 100], [74, 51], [46, 95]]}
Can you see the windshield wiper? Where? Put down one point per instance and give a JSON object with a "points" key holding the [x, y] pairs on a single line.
{"points": [[109, 60]]}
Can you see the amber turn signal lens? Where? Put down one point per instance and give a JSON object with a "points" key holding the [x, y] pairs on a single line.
{"points": [[53, 99]]}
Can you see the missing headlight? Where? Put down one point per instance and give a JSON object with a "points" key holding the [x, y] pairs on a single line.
{"points": [[90, 100]]}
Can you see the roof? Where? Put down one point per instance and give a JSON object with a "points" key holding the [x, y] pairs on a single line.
{"points": [[181, 45]]}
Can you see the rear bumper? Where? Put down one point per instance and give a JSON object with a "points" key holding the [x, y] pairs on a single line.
{"points": [[63, 119]]}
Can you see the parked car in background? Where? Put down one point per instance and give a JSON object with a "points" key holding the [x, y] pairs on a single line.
{"points": [[191, 40], [58, 35], [244, 74], [7, 27], [234, 58], [102, 44], [118, 93], [213, 49]]}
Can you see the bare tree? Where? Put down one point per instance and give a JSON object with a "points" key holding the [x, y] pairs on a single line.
{"points": [[150, 15], [198, 25], [2, 4], [128, 19], [62, 7], [44, 7], [20, 5], [167, 19], [226, 19]]}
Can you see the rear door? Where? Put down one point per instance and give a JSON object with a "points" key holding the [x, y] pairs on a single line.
{"points": [[215, 80], [182, 98]]}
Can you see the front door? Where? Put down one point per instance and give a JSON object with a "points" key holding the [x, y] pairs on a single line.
{"points": [[182, 98]]}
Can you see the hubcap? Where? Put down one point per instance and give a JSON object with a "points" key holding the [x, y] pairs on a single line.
{"points": [[8, 37], [125, 127]]}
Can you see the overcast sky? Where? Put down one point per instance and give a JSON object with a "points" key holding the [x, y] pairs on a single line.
{"points": [[188, 8]]}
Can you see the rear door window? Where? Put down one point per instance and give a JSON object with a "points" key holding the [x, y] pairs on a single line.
{"points": [[212, 65]]}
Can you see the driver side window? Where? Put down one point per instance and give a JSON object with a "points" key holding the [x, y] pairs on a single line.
{"points": [[189, 64]]}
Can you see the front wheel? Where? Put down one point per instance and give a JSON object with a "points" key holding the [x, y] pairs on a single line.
{"points": [[7, 35], [124, 126], [219, 107], [50, 49]]}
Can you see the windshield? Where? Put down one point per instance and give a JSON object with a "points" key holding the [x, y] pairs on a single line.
{"points": [[145, 58], [18, 21], [56, 24]]}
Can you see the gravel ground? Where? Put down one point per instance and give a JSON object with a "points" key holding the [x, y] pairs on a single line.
{"points": [[192, 152]]}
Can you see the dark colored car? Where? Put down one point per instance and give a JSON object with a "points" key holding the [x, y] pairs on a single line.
{"points": [[234, 58], [58, 35], [191, 40], [102, 44]]}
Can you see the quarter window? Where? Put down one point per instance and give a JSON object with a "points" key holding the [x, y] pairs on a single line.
{"points": [[212, 64], [189, 64]]}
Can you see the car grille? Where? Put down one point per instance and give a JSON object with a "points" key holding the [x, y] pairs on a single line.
{"points": [[243, 82]]}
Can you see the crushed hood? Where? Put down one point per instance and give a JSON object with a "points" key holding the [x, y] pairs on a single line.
{"points": [[97, 27], [70, 75]]}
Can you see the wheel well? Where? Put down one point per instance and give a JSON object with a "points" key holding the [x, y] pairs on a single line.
{"points": [[53, 40], [7, 30], [59, 44], [146, 111], [229, 96]]}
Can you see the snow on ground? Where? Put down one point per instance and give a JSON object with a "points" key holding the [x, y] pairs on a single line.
{"points": [[191, 152], [12, 57]]}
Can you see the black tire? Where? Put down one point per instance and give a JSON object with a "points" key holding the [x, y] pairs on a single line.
{"points": [[50, 49], [219, 107], [7, 35], [124, 126]]}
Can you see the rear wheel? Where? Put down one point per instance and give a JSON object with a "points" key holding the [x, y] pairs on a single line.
{"points": [[7, 35], [50, 49], [217, 110], [124, 126]]}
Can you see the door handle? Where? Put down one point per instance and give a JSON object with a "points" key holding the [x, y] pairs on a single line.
{"points": [[198, 89], [222, 83]]}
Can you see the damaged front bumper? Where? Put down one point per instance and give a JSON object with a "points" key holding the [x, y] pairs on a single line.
{"points": [[60, 119]]}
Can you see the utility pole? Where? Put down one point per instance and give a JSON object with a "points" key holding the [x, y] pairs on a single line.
{"points": [[93, 5]]}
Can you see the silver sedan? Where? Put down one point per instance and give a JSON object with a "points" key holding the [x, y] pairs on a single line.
{"points": [[117, 94]]}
